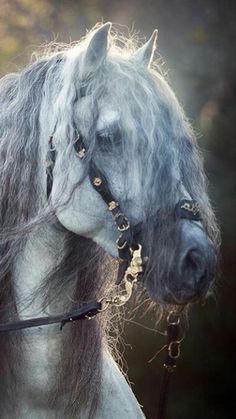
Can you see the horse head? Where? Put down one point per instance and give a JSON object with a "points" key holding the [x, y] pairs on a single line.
{"points": [[111, 107]]}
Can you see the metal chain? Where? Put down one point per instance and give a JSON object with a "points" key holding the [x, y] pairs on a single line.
{"points": [[131, 275]]}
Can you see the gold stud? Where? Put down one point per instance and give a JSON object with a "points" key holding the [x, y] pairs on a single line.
{"points": [[97, 181], [81, 153], [112, 205], [48, 163]]}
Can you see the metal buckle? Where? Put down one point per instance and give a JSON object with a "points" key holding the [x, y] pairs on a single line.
{"points": [[124, 227], [126, 224], [173, 317]]}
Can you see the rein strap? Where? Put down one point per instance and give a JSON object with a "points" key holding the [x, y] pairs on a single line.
{"points": [[84, 313], [172, 354]]}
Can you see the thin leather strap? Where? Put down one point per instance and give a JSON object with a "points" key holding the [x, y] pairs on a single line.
{"points": [[84, 313], [172, 354]]}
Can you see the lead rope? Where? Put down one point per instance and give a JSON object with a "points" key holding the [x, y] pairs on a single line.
{"points": [[172, 354]]}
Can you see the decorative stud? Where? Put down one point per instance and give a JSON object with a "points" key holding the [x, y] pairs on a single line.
{"points": [[112, 205], [48, 163], [80, 153], [97, 181]]}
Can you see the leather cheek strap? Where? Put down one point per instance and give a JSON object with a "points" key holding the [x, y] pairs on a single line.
{"points": [[125, 241]]}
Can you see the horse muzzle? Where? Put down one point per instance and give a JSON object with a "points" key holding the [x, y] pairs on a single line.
{"points": [[191, 273]]}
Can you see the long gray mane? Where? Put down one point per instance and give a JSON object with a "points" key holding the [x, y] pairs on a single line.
{"points": [[22, 210], [21, 96]]}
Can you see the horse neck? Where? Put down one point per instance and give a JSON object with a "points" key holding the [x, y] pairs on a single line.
{"points": [[39, 256], [45, 373]]}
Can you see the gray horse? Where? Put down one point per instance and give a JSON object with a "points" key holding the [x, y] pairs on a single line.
{"points": [[59, 251]]}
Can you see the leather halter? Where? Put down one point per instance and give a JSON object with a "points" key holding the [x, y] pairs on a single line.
{"points": [[126, 243], [129, 249]]}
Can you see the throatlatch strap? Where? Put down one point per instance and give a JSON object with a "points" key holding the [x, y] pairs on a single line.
{"points": [[126, 240]]}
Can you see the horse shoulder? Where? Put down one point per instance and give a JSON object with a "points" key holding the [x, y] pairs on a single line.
{"points": [[117, 399]]}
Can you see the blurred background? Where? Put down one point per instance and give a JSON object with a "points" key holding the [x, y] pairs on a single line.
{"points": [[197, 43]]}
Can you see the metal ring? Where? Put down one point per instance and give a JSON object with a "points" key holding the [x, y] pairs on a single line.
{"points": [[104, 302], [121, 246], [170, 348], [170, 321]]}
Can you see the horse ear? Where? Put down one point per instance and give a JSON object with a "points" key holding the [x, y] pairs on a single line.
{"points": [[97, 49], [145, 53]]}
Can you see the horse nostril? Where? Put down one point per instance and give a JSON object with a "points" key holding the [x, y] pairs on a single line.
{"points": [[192, 259], [194, 266]]}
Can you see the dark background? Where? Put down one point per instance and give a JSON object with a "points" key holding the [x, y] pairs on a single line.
{"points": [[197, 43]]}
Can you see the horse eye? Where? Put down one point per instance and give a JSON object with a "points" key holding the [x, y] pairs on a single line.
{"points": [[108, 140]]}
